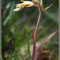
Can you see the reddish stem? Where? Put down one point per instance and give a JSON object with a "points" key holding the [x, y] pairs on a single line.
{"points": [[34, 45], [35, 35], [41, 10], [37, 26]]}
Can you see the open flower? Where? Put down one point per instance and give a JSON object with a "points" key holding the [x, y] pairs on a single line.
{"points": [[22, 5], [26, 4], [37, 3]]}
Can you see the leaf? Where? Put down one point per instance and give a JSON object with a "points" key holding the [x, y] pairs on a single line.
{"points": [[10, 14], [47, 7], [45, 40]]}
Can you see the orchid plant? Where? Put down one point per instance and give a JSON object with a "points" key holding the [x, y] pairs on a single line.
{"points": [[39, 4]]}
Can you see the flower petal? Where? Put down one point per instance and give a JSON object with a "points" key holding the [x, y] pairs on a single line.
{"points": [[17, 9], [22, 5]]}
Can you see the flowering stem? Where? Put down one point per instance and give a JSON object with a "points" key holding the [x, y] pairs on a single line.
{"points": [[36, 30], [37, 26], [34, 45], [35, 35]]}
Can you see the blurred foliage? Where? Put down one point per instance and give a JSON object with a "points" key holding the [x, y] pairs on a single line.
{"points": [[17, 29]]}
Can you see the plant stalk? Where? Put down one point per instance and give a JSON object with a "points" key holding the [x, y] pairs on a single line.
{"points": [[35, 35], [37, 26]]}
